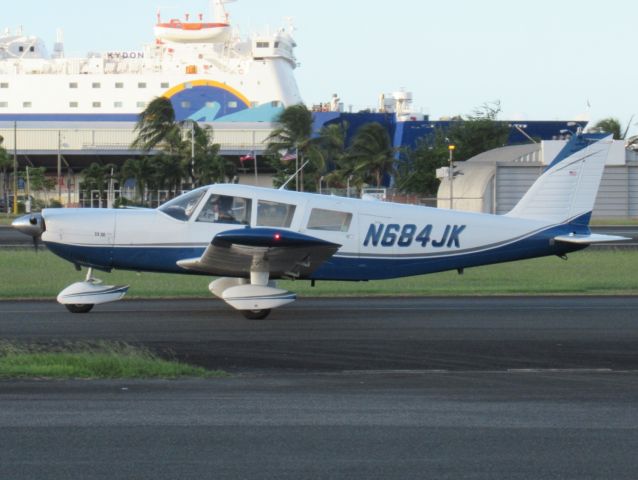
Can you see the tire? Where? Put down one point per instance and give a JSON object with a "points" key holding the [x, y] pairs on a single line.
{"points": [[256, 314], [76, 308]]}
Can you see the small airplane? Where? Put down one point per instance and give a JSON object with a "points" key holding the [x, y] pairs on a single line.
{"points": [[250, 237]]}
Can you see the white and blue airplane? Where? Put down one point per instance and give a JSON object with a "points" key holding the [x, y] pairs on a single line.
{"points": [[249, 237]]}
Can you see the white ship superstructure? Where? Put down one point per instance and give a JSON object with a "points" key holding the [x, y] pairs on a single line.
{"points": [[207, 69]]}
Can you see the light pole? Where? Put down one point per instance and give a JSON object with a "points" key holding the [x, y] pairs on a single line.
{"points": [[15, 168], [348, 186], [451, 148], [320, 184]]}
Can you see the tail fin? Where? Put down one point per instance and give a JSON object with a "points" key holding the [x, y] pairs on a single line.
{"points": [[568, 187]]}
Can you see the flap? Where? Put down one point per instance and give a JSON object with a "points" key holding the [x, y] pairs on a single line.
{"points": [[284, 254]]}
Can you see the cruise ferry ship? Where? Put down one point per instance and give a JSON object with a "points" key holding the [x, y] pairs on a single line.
{"points": [[208, 70]]}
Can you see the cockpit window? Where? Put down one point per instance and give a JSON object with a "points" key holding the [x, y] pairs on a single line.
{"points": [[274, 214], [183, 207], [225, 209]]}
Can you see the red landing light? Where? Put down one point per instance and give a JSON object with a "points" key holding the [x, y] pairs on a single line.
{"points": [[277, 236]]}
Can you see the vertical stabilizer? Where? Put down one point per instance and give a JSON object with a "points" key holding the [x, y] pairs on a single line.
{"points": [[568, 187]]}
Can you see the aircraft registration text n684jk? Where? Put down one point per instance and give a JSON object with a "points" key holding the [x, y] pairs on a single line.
{"points": [[404, 236]]}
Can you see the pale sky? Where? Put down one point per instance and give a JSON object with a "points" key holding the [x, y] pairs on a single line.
{"points": [[544, 60]]}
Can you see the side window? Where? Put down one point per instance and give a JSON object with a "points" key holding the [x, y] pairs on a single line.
{"points": [[225, 209], [274, 214], [330, 220]]}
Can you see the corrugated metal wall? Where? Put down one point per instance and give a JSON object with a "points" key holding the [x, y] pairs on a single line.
{"points": [[617, 196]]}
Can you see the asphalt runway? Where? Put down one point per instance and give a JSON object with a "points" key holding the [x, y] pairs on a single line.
{"points": [[479, 388]]}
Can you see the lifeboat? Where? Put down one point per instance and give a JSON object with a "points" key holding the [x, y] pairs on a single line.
{"points": [[185, 32]]}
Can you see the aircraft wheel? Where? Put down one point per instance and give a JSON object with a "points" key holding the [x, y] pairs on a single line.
{"points": [[77, 308], [256, 314]]}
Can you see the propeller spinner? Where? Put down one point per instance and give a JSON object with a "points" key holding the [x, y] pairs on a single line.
{"points": [[32, 225]]}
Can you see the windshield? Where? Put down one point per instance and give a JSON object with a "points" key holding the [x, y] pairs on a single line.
{"points": [[183, 207]]}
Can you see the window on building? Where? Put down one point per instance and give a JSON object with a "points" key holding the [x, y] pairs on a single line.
{"points": [[141, 85], [225, 209], [119, 85], [96, 85], [274, 214], [73, 104], [73, 85], [330, 220]]}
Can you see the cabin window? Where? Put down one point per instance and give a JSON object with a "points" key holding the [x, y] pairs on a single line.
{"points": [[276, 44], [119, 84], [73, 85], [97, 104], [73, 104], [330, 220], [32, 49], [263, 44], [96, 85], [226, 209], [118, 104], [274, 214], [4, 85], [141, 104], [232, 104], [164, 85], [183, 207], [185, 104], [26, 104], [4, 104], [141, 85], [20, 48]]}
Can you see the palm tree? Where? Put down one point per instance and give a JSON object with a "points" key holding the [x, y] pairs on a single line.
{"points": [[610, 125], [5, 163], [372, 153], [157, 125], [168, 172], [142, 170], [294, 134]]}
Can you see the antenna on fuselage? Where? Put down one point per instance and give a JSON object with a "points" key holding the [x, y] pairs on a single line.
{"points": [[294, 175]]}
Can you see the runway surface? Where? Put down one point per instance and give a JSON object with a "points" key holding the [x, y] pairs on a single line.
{"points": [[479, 388]]}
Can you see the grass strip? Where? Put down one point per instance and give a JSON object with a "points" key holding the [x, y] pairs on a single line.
{"points": [[25, 274], [97, 361]]}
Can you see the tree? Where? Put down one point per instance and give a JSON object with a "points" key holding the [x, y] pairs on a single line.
{"points": [[294, 134], [143, 171], [157, 125], [416, 171], [372, 154], [479, 132], [610, 125]]}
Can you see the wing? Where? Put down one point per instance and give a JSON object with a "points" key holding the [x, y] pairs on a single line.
{"points": [[285, 254]]}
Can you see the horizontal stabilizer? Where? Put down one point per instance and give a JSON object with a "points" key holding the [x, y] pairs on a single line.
{"points": [[589, 239]]}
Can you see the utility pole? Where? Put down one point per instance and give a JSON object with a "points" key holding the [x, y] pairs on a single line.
{"points": [[59, 166], [451, 148], [15, 168]]}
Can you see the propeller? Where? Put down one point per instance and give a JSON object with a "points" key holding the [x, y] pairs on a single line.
{"points": [[32, 225]]}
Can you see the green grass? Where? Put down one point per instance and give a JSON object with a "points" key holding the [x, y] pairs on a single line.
{"points": [[100, 361], [25, 274]]}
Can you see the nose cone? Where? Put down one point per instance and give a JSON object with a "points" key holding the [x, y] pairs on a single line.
{"points": [[32, 225]]}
